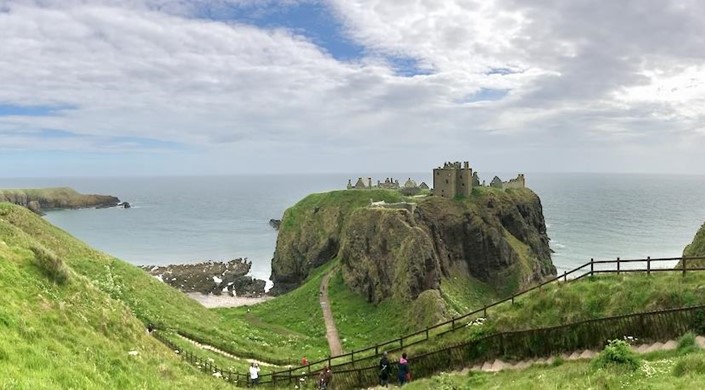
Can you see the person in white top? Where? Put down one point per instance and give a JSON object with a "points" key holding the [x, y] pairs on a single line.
{"points": [[254, 373]]}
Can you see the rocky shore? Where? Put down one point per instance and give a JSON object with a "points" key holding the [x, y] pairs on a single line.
{"points": [[211, 277]]}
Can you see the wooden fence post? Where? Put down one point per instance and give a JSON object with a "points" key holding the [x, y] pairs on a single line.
{"points": [[352, 356], [401, 342], [648, 265], [426, 333], [683, 261], [565, 278], [592, 266], [452, 323], [618, 266], [376, 349]]}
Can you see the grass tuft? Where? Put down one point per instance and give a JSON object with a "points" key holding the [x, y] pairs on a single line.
{"points": [[617, 354], [50, 264]]}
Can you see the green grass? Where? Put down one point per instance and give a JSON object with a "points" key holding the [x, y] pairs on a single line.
{"points": [[151, 300], [361, 324], [657, 371], [343, 201], [296, 318], [73, 335], [464, 294]]}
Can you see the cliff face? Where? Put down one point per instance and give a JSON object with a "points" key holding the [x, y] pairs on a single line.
{"points": [[695, 249], [495, 236], [309, 233], [55, 198]]}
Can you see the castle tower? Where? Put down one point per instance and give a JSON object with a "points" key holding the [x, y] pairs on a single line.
{"points": [[453, 179]]}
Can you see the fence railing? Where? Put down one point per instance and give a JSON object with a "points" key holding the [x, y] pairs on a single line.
{"points": [[344, 362], [516, 345], [590, 268]]}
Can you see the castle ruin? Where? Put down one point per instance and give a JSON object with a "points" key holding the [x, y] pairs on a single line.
{"points": [[453, 179], [458, 179]]}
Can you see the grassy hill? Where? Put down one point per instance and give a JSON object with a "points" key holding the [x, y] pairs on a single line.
{"points": [[143, 298], [59, 330]]}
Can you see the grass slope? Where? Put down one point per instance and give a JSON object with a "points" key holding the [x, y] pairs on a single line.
{"points": [[73, 335], [659, 370], [153, 301]]}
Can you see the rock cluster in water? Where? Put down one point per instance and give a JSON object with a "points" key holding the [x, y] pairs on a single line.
{"points": [[211, 277]]}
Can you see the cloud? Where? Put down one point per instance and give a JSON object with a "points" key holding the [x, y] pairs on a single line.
{"points": [[434, 81]]}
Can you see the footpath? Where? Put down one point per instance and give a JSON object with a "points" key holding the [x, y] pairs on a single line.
{"points": [[336, 348], [499, 365]]}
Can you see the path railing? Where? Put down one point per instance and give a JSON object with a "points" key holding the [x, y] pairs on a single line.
{"points": [[591, 268], [349, 361], [515, 345]]}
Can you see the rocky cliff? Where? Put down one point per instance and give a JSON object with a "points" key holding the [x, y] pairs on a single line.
{"points": [[695, 249], [496, 236], [55, 198]]}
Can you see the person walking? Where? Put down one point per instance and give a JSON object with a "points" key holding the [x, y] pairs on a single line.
{"points": [[254, 374], [325, 378], [384, 370], [403, 374]]}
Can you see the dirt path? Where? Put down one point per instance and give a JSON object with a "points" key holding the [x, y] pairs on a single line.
{"points": [[218, 351], [336, 348]]}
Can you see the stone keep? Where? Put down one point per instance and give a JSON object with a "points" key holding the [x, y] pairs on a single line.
{"points": [[453, 179]]}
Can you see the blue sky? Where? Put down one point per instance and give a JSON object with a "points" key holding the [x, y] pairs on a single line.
{"points": [[236, 86]]}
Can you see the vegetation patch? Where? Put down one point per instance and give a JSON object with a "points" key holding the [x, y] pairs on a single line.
{"points": [[617, 353], [50, 264]]}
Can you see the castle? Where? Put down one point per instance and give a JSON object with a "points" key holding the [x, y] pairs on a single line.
{"points": [[389, 183], [456, 179], [451, 180]]}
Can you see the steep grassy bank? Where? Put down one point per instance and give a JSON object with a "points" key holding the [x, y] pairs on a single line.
{"points": [[58, 330], [149, 299], [594, 297]]}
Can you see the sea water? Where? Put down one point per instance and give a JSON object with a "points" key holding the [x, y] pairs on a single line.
{"points": [[192, 219]]}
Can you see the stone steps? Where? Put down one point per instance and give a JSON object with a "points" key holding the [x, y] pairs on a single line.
{"points": [[499, 365]]}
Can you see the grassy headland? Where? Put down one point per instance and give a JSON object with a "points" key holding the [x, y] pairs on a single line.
{"points": [[55, 198]]}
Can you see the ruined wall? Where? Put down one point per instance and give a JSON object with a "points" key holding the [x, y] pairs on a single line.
{"points": [[452, 179]]}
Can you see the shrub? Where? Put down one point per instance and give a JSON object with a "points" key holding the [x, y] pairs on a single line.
{"points": [[617, 353], [50, 264], [687, 344], [691, 364]]}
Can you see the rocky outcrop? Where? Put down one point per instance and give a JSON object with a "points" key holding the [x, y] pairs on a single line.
{"points": [[309, 234], [39, 200], [275, 223], [497, 236], [211, 278], [695, 249]]}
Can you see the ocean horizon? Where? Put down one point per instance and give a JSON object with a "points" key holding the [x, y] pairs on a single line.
{"points": [[187, 219]]}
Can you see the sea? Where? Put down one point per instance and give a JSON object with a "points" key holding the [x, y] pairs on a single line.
{"points": [[176, 220]]}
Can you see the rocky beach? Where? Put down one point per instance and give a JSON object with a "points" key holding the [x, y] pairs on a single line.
{"points": [[212, 282]]}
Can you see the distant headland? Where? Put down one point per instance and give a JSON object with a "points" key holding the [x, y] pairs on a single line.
{"points": [[44, 199]]}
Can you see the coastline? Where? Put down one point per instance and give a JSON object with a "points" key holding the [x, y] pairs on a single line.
{"points": [[211, 301]]}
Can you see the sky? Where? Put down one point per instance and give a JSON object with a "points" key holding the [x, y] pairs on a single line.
{"points": [[196, 87]]}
